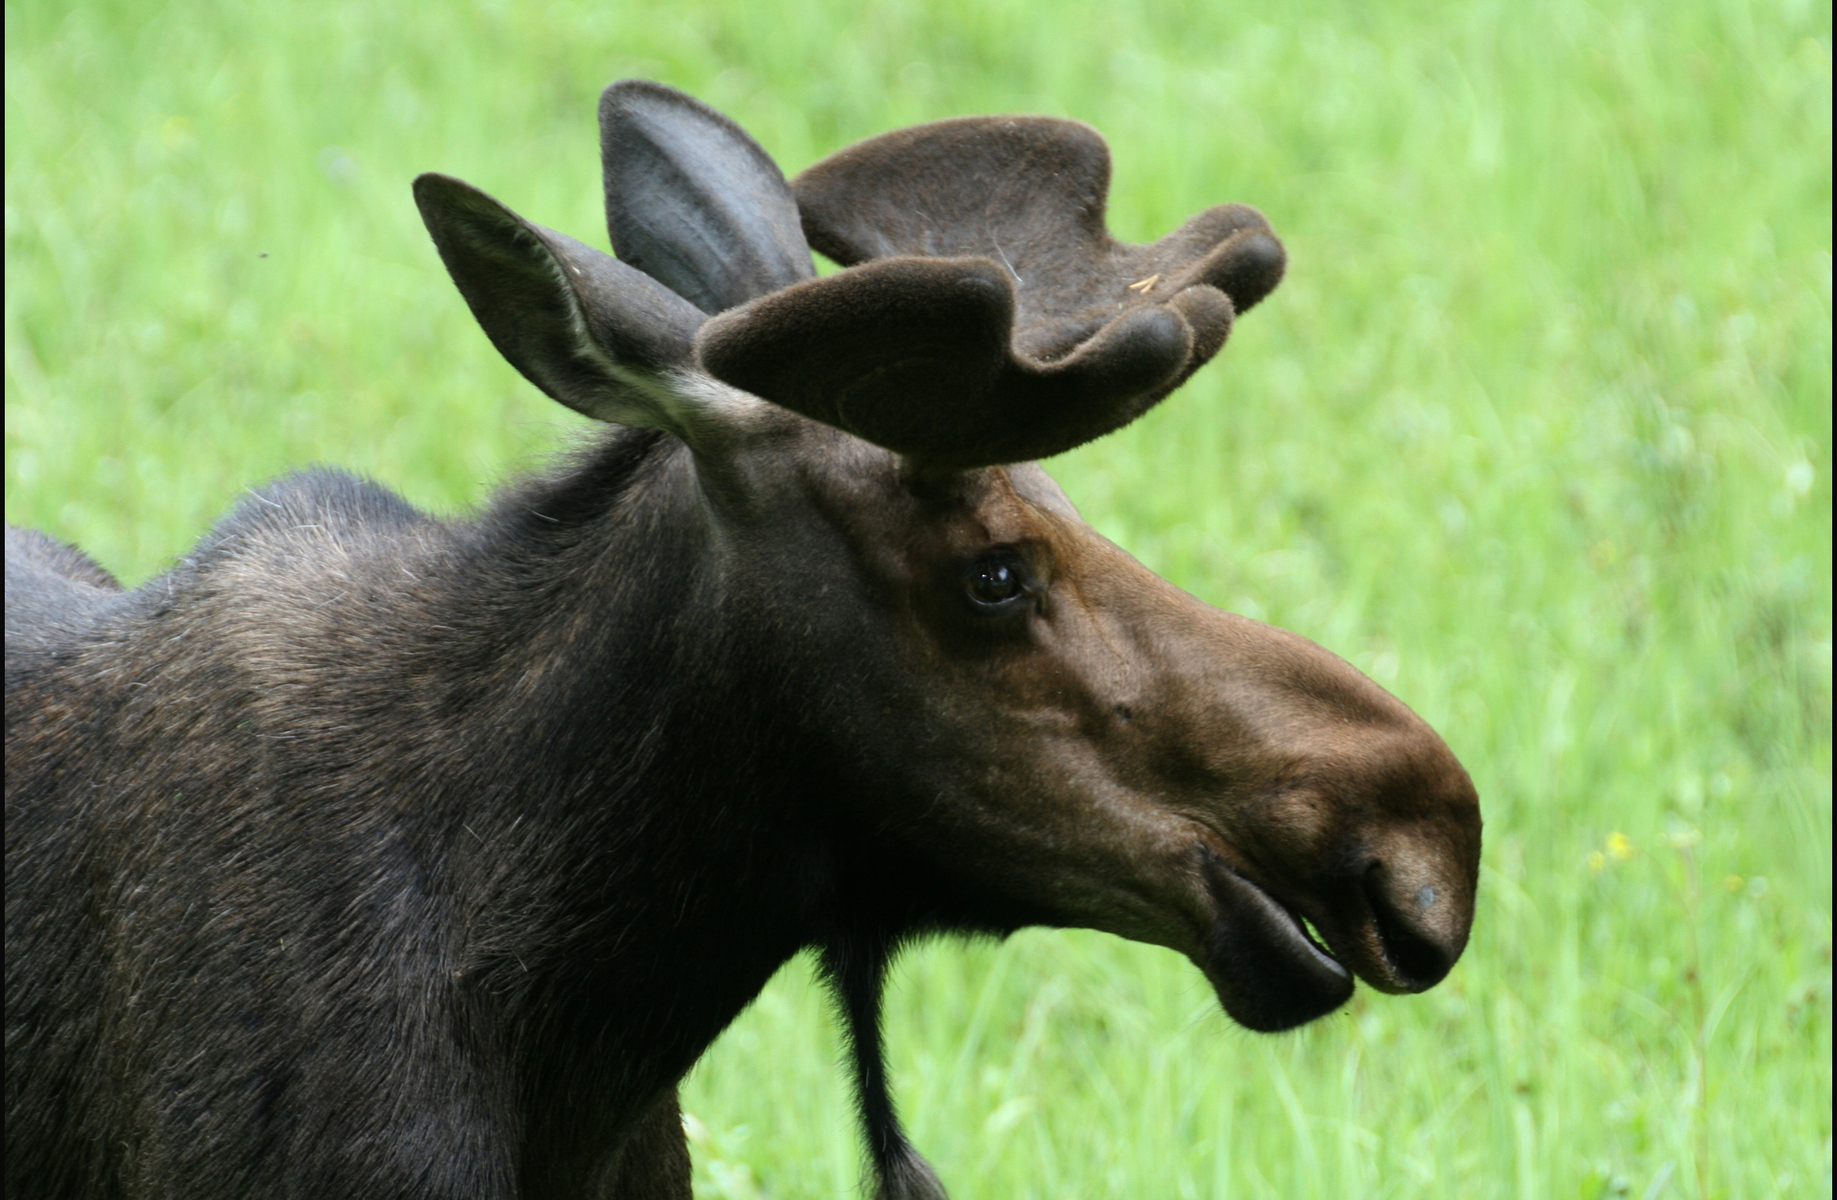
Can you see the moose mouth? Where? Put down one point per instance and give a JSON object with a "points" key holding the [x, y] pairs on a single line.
{"points": [[1269, 971]]}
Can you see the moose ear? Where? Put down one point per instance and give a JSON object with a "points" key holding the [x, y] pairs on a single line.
{"points": [[590, 331], [694, 202]]}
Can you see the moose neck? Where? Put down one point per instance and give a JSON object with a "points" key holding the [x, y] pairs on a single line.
{"points": [[636, 862]]}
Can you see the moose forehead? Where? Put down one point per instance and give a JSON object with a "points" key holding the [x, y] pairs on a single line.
{"points": [[896, 516], [880, 498]]}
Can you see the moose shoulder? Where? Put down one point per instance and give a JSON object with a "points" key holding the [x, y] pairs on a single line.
{"points": [[364, 854]]}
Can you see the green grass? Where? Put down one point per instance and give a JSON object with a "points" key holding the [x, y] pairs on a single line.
{"points": [[1537, 432]]}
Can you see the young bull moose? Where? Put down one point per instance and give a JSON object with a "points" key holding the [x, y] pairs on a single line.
{"points": [[367, 855]]}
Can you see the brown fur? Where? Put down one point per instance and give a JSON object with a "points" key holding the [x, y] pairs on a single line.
{"points": [[365, 854]]}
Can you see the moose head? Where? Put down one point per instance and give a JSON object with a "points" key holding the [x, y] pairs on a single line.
{"points": [[1053, 733]]}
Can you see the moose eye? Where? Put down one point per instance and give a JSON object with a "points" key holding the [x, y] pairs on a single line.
{"points": [[995, 582]]}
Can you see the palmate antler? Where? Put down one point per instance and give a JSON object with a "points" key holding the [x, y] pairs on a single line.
{"points": [[987, 315]]}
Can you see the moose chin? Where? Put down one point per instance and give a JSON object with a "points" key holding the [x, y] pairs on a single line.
{"points": [[367, 854]]}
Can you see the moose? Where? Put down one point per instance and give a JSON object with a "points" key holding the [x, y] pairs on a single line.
{"points": [[364, 854]]}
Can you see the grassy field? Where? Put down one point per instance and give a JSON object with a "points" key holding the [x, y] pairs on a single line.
{"points": [[1537, 432]]}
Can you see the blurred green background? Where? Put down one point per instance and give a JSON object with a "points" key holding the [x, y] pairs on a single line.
{"points": [[1537, 432]]}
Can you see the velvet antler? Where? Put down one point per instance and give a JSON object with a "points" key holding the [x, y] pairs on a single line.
{"points": [[988, 315]]}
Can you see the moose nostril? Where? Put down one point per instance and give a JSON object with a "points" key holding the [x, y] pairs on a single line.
{"points": [[1420, 961]]}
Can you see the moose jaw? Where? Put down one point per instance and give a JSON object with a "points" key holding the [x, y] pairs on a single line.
{"points": [[367, 854]]}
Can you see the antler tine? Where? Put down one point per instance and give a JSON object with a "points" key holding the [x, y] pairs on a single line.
{"points": [[988, 316]]}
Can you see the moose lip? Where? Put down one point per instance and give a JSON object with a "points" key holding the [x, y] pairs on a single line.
{"points": [[1268, 969], [1313, 943]]}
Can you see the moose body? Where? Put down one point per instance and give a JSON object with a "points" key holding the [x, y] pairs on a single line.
{"points": [[366, 854]]}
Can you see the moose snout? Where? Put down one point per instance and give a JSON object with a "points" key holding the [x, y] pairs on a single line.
{"points": [[1409, 910], [1418, 943]]}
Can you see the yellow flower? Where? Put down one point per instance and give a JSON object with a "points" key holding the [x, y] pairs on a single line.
{"points": [[1596, 860], [1619, 847]]}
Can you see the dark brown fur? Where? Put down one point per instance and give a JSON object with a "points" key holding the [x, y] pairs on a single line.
{"points": [[364, 854]]}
